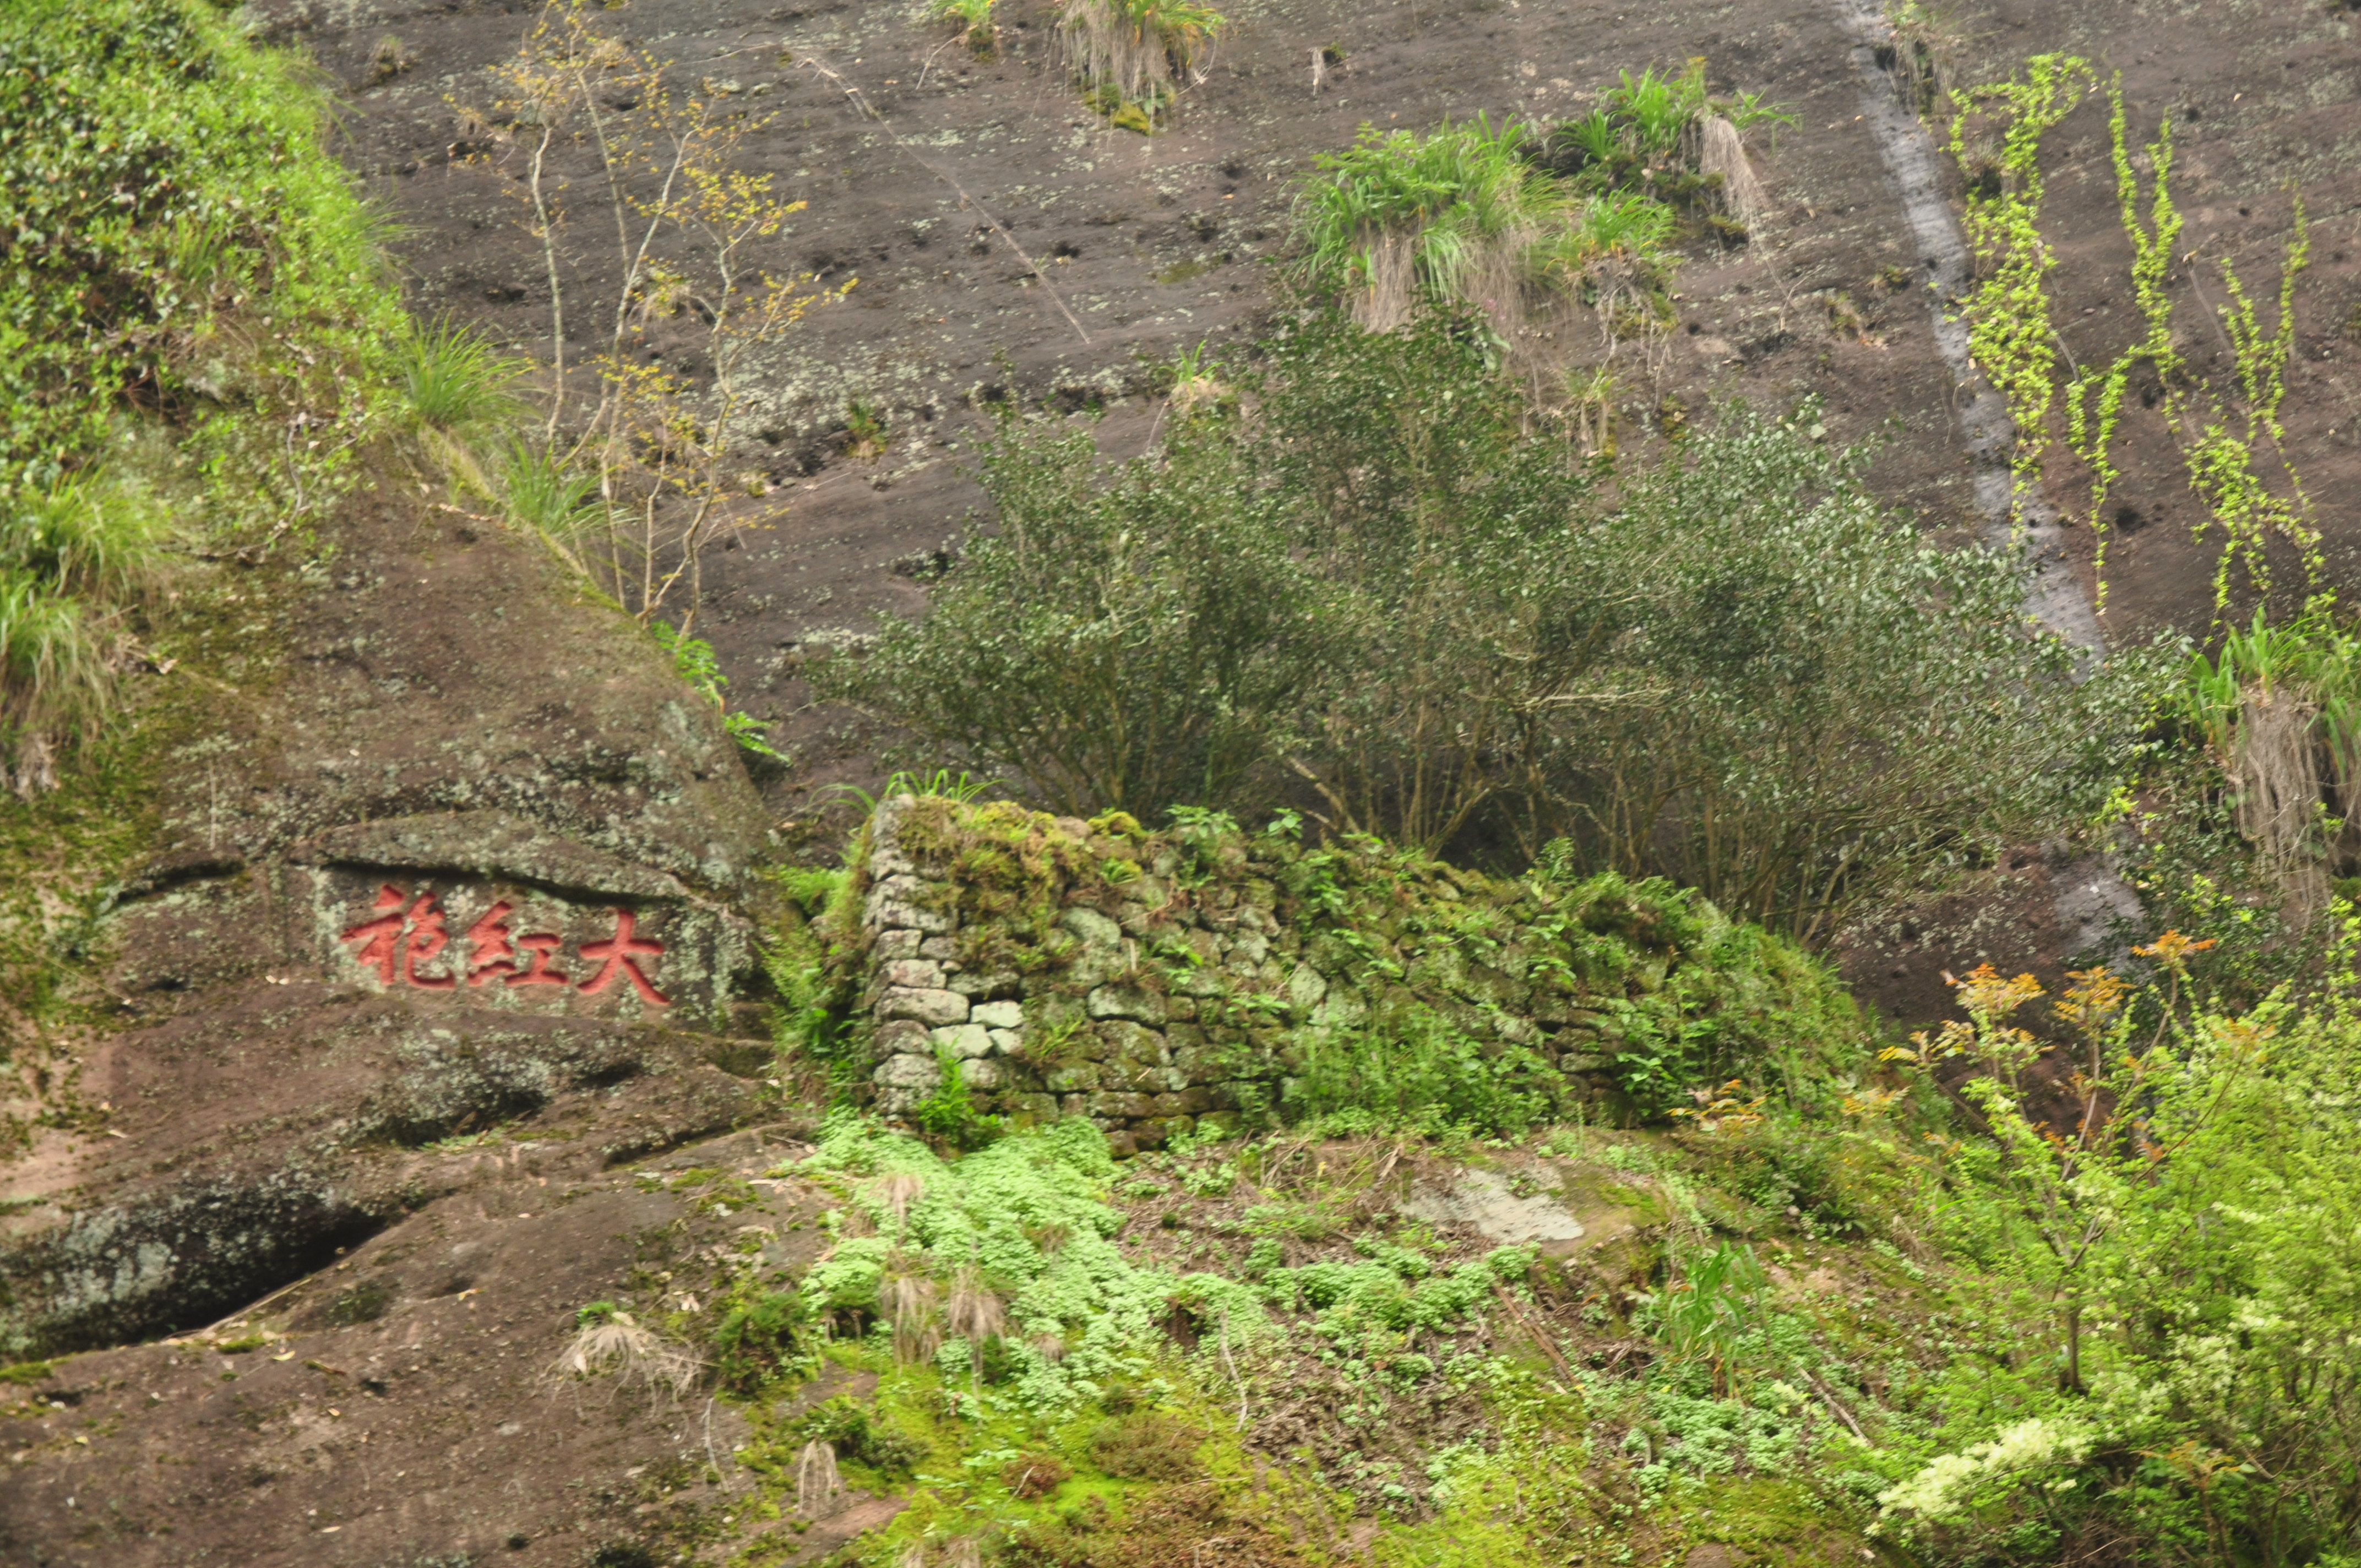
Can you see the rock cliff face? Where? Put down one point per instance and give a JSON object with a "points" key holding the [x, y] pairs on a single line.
{"points": [[1164, 984], [444, 849]]}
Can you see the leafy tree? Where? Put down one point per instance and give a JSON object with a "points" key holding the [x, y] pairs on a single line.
{"points": [[1123, 641], [1369, 576]]}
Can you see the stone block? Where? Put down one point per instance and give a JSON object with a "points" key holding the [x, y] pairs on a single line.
{"points": [[1095, 928], [1515, 1029], [966, 1041], [907, 1071], [1341, 1009], [1120, 1106], [998, 1014], [933, 1008], [1199, 982], [1127, 1041], [1218, 1124], [1036, 1107], [1180, 1007], [891, 946], [1131, 1077], [1074, 1104], [1046, 1008], [901, 1035], [1484, 983], [1202, 1064], [974, 986], [1549, 1008], [1006, 1042], [1080, 1078], [942, 950], [1127, 1002], [1122, 1143], [1306, 987], [1580, 1061], [892, 911], [914, 974], [1169, 1105], [1156, 1133], [982, 1074], [1260, 894]]}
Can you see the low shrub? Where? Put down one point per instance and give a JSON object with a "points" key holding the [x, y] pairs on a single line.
{"points": [[1033, 1476], [1149, 1445], [757, 1339]]}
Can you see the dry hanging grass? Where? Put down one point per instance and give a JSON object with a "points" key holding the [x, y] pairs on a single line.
{"points": [[896, 1193], [975, 1313], [612, 1343], [1722, 151], [909, 1299], [2279, 793], [818, 1485], [1144, 51]]}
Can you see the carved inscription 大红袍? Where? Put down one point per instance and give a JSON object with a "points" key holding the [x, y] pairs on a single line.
{"points": [[403, 933]]}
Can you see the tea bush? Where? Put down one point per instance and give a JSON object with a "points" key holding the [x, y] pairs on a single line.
{"points": [[1376, 585]]}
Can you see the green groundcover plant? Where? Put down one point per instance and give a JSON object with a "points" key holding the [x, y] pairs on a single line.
{"points": [[174, 242]]}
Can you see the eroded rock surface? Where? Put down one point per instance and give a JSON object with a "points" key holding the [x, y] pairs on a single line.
{"points": [[453, 849]]}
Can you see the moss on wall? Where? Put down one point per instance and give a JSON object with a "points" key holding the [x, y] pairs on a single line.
{"points": [[991, 961]]}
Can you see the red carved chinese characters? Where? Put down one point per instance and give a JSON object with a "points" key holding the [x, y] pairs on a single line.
{"points": [[379, 936], [426, 938], [542, 944], [623, 953], [491, 952], [403, 934], [383, 946]]}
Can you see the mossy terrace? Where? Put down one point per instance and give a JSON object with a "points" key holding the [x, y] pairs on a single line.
{"points": [[1260, 1347]]}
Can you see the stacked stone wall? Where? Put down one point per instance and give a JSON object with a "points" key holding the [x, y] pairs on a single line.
{"points": [[1176, 995]]}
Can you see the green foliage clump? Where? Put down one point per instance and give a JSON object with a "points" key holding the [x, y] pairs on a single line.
{"points": [[1384, 585], [757, 1336], [1022, 1223], [159, 178], [694, 661], [1468, 217], [1456, 217], [1133, 57], [2220, 429], [75, 564], [858, 1434], [2162, 1250], [2009, 332], [174, 228]]}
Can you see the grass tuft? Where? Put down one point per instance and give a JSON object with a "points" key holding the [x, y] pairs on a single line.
{"points": [[1137, 53], [611, 1342], [452, 378]]}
